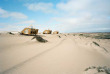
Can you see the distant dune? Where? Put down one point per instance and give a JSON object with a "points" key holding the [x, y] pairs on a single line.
{"points": [[73, 53]]}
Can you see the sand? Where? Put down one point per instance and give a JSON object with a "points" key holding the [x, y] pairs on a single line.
{"points": [[66, 55]]}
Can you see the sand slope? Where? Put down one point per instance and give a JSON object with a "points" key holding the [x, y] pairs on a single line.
{"points": [[66, 55]]}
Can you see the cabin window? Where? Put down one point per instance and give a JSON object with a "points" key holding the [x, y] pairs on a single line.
{"points": [[33, 31], [26, 31]]}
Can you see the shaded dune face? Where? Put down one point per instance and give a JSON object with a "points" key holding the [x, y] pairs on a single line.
{"points": [[62, 54]]}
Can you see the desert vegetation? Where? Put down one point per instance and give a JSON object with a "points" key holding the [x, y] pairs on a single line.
{"points": [[59, 36], [39, 38], [96, 43], [96, 35], [100, 69], [10, 33]]}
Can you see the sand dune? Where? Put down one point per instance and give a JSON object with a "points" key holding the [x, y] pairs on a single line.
{"points": [[62, 54]]}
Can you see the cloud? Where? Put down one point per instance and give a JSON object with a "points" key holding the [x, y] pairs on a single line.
{"points": [[26, 22], [85, 6], [44, 7], [73, 5], [78, 24], [15, 26], [2, 11], [78, 15], [72, 15], [103, 29], [13, 15]]}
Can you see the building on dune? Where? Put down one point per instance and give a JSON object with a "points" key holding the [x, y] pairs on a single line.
{"points": [[29, 31], [47, 32], [55, 32]]}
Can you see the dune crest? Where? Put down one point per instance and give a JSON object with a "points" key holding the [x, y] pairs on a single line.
{"points": [[58, 54]]}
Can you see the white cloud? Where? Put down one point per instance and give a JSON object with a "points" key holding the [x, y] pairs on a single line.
{"points": [[44, 7], [73, 5], [73, 14], [103, 29], [71, 24], [14, 15], [26, 22], [16, 26], [2, 11], [85, 6], [79, 8], [77, 14]]}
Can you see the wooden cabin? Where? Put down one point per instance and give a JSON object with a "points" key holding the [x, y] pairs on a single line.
{"points": [[55, 32], [29, 31], [47, 32]]}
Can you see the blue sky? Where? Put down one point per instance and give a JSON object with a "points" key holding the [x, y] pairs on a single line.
{"points": [[62, 15]]}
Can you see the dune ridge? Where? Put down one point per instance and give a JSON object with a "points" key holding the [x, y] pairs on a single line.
{"points": [[62, 54]]}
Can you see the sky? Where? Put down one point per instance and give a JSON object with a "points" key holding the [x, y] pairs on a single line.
{"points": [[65, 16]]}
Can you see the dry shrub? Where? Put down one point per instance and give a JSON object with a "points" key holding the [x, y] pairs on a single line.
{"points": [[39, 38], [11, 33], [59, 36], [96, 43], [100, 69]]}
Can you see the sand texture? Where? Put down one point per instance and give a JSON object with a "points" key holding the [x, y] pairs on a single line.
{"points": [[62, 54]]}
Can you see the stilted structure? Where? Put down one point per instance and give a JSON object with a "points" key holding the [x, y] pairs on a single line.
{"points": [[29, 31], [55, 32], [47, 32]]}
